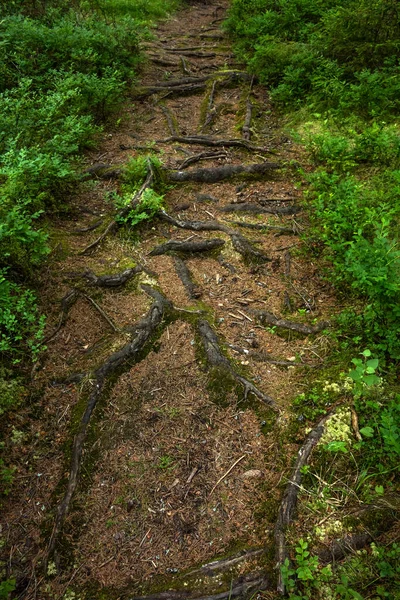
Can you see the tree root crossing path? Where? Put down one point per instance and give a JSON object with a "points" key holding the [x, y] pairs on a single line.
{"points": [[175, 347]]}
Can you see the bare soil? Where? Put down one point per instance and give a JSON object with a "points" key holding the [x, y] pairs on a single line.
{"points": [[178, 468]]}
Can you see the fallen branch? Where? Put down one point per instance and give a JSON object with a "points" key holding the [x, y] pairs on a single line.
{"points": [[260, 210], [142, 333], [266, 317], [111, 281], [289, 500], [216, 359], [216, 174], [193, 291], [227, 473], [187, 247], [101, 312]]}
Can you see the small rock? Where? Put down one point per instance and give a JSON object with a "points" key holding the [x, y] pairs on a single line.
{"points": [[252, 474]]}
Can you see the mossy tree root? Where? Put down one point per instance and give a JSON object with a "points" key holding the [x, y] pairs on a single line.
{"points": [[142, 333], [289, 500], [204, 140], [193, 291], [216, 358], [67, 303], [111, 281], [216, 155], [260, 210], [188, 247], [240, 243], [268, 318]]}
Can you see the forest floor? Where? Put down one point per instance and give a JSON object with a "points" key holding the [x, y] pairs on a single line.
{"points": [[184, 456]]}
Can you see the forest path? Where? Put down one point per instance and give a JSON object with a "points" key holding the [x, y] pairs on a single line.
{"points": [[164, 366]]}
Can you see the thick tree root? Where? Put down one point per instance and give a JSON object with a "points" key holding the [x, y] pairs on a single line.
{"points": [[216, 174], [247, 250], [193, 291], [215, 358], [142, 332], [245, 587], [202, 156], [111, 281], [240, 243], [187, 247], [289, 500], [265, 317], [202, 140], [260, 210]]}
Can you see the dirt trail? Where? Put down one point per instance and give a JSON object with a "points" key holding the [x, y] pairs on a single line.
{"points": [[174, 385]]}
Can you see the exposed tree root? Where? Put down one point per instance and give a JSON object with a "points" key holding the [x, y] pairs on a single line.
{"points": [[172, 126], [212, 568], [89, 228], [244, 587], [202, 140], [194, 225], [260, 227], [187, 247], [142, 331], [289, 500], [189, 85], [216, 174], [202, 156], [193, 291], [216, 358], [246, 131], [240, 243], [247, 250], [111, 281], [260, 210], [185, 67], [67, 303], [210, 112], [265, 317]]}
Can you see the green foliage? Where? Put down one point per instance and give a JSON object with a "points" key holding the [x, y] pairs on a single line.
{"points": [[6, 587], [149, 205], [64, 68], [338, 54]]}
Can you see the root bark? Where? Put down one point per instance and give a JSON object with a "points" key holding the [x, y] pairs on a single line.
{"points": [[216, 358], [289, 500], [216, 174], [187, 247], [260, 210], [265, 317]]}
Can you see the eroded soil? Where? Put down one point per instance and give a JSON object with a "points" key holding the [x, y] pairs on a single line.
{"points": [[178, 467]]}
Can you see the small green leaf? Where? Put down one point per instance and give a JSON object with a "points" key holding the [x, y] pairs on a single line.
{"points": [[367, 432], [372, 363], [379, 489], [366, 353]]}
